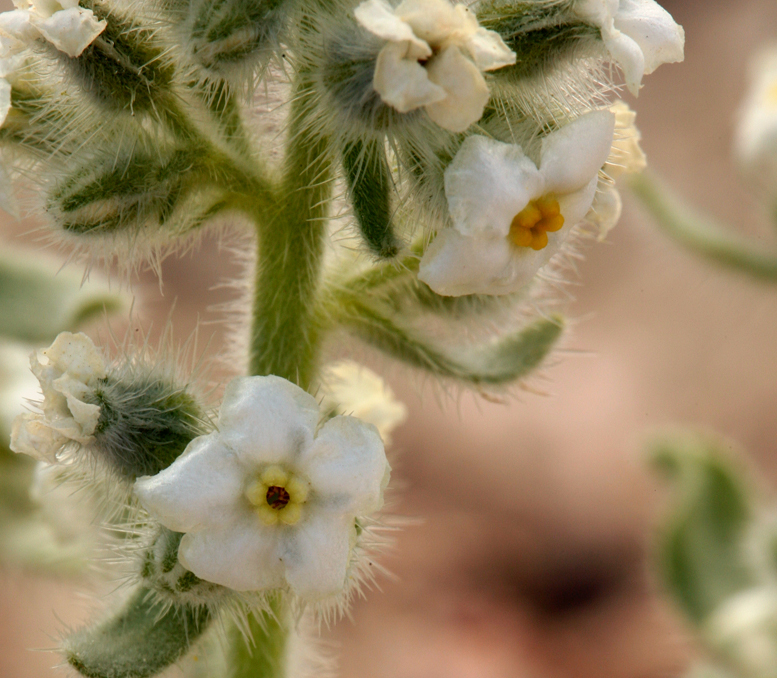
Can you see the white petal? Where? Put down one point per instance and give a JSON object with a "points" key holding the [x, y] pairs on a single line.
{"points": [[433, 20], [71, 30], [76, 355], [489, 51], [316, 554], [267, 420], [346, 466], [402, 82], [572, 155], [32, 436], [243, 555], [16, 24], [575, 205], [627, 53], [202, 488], [378, 17], [487, 184], [455, 264], [661, 40], [466, 89]]}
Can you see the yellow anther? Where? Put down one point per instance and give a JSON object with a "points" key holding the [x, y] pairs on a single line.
{"points": [[552, 224], [531, 225], [290, 515], [521, 237], [298, 491], [548, 206], [539, 240], [269, 516], [274, 475], [256, 493], [527, 217]]}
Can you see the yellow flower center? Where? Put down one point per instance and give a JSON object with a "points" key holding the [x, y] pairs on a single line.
{"points": [[530, 227], [277, 496]]}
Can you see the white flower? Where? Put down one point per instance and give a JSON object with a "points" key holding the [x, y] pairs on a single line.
{"points": [[70, 28], [756, 135], [350, 388], [267, 502], [626, 157], [744, 630], [67, 371], [503, 207], [640, 35], [433, 58]]}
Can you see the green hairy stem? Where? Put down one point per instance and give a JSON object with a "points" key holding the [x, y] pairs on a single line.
{"points": [[290, 247]]}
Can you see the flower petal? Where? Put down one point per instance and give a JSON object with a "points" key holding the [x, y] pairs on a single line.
{"points": [[660, 38], [378, 17], [267, 420], [487, 184], [346, 466], [488, 50], [434, 21], [71, 30], [5, 106], [627, 53], [402, 82], [203, 488], [466, 89], [455, 264], [32, 436], [572, 155], [317, 553], [244, 555]]}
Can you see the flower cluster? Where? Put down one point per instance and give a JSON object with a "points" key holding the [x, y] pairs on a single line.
{"points": [[68, 372]]}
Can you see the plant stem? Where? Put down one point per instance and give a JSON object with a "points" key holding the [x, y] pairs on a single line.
{"points": [[700, 234], [264, 656], [290, 248]]}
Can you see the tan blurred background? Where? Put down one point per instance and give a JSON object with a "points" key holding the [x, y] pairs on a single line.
{"points": [[530, 559]]}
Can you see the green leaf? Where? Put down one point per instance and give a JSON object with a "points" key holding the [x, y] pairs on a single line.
{"points": [[140, 640], [701, 557], [36, 303], [492, 364], [369, 183], [700, 234]]}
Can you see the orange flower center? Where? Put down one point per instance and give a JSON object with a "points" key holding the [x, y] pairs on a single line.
{"points": [[530, 227]]}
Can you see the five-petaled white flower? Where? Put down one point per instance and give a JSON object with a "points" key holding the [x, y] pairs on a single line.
{"points": [[424, 63], [640, 35], [67, 371], [503, 207], [267, 501], [756, 135]]}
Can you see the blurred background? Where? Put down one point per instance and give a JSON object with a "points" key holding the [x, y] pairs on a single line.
{"points": [[530, 555]]}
